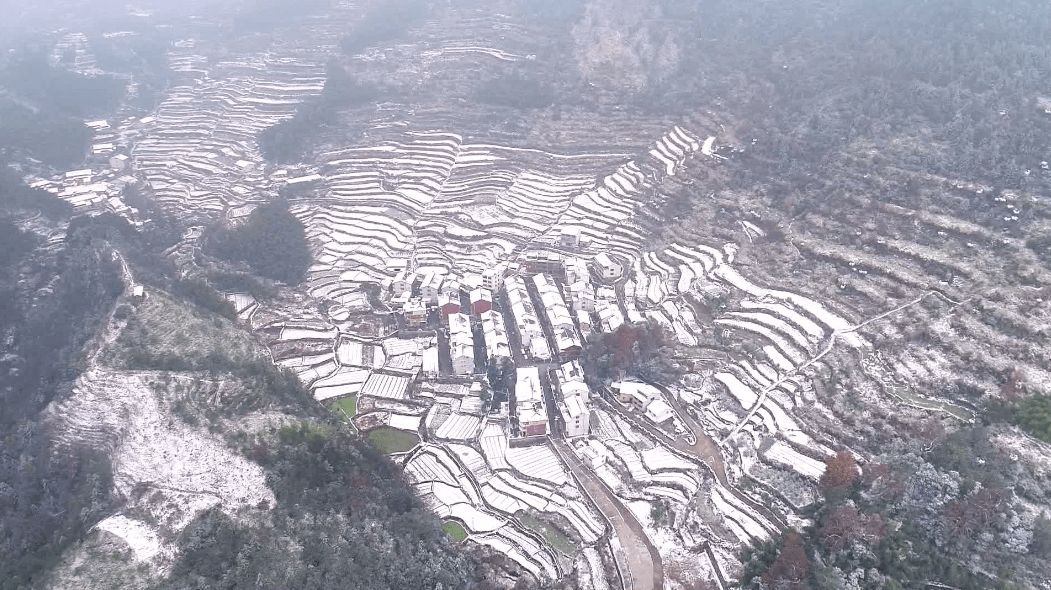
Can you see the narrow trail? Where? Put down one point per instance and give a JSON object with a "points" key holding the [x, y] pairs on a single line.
{"points": [[112, 332], [829, 345]]}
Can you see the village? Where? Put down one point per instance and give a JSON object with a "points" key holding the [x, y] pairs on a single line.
{"points": [[467, 369], [457, 286]]}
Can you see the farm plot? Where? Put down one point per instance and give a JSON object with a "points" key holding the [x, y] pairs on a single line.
{"points": [[450, 491], [391, 440]]}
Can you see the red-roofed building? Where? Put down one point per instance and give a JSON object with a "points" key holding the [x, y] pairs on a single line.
{"points": [[481, 300]]}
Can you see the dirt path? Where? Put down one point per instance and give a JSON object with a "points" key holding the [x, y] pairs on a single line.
{"points": [[112, 329], [642, 557], [704, 449]]}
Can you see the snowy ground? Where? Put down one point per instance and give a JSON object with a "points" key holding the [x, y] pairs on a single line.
{"points": [[183, 469]]}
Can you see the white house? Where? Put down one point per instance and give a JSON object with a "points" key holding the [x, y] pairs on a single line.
{"points": [[461, 344], [430, 362], [570, 237], [576, 270], [529, 402], [402, 282], [118, 162], [639, 395], [606, 267], [431, 285], [658, 411], [594, 454], [575, 417], [573, 408], [450, 287], [493, 278], [584, 320], [415, 311], [583, 295]]}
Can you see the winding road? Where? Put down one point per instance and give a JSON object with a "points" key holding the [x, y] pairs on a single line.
{"points": [[704, 449], [643, 559]]}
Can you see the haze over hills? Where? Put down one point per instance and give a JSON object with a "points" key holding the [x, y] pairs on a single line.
{"points": [[503, 294]]}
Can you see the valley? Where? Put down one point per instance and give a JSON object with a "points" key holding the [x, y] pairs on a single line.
{"points": [[592, 337]]}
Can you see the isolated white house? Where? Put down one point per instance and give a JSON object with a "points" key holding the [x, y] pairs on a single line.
{"points": [[570, 237], [118, 162], [606, 267], [658, 411], [639, 395], [594, 454]]}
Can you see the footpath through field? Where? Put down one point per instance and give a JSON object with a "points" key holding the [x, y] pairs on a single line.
{"points": [[644, 561]]}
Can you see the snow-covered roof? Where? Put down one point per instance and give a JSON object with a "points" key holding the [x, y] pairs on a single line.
{"points": [[527, 385], [659, 411], [605, 261]]}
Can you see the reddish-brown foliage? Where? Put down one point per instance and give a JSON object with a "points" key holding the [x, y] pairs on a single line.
{"points": [[977, 511], [840, 472], [845, 525], [792, 568]]}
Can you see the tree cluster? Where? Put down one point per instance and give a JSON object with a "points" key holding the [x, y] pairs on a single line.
{"points": [[1031, 413], [272, 242], [50, 306], [288, 140], [643, 350], [909, 522], [344, 520]]}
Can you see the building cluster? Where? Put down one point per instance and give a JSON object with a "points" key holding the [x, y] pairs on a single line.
{"points": [[415, 295], [461, 344], [563, 329], [580, 294], [494, 331], [530, 332], [644, 398]]}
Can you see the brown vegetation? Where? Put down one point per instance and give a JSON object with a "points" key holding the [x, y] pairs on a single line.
{"points": [[792, 568], [840, 472], [845, 525]]}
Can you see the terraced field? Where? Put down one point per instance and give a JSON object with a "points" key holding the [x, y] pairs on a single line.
{"points": [[914, 310]]}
